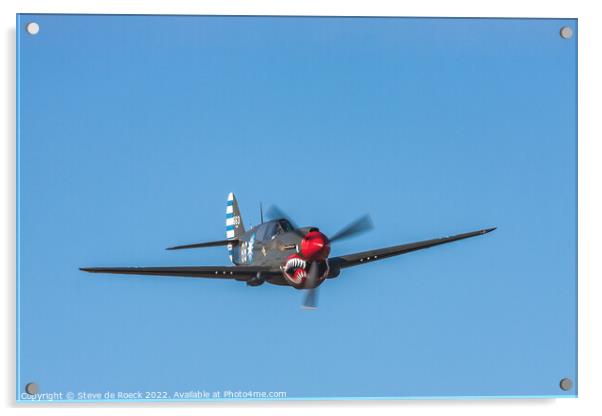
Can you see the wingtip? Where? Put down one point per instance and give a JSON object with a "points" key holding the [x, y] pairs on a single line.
{"points": [[488, 230]]}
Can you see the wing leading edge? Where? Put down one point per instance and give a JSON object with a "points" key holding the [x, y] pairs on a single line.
{"points": [[216, 272], [355, 259]]}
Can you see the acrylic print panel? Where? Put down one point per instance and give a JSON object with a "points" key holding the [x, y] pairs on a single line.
{"points": [[134, 130]]}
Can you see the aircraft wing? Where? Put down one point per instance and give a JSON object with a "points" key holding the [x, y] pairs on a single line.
{"points": [[216, 272], [355, 259]]}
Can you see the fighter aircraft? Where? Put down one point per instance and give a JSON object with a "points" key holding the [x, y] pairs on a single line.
{"points": [[281, 253]]}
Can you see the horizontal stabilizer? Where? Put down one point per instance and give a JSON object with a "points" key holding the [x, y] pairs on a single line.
{"points": [[208, 244]]}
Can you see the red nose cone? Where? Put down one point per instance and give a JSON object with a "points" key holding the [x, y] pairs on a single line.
{"points": [[315, 246]]}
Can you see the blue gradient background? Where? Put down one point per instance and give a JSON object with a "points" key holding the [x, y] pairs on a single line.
{"points": [[133, 129]]}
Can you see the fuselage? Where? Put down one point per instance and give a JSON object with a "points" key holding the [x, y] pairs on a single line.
{"points": [[276, 244]]}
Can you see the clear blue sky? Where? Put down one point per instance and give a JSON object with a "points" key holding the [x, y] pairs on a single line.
{"points": [[133, 129]]}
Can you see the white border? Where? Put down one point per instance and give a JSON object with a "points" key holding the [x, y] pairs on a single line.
{"points": [[590, 209]]}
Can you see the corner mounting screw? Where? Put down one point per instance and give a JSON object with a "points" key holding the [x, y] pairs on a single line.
{"points": [[566, 384], [32, 28], [566, 32], [31, 388]]}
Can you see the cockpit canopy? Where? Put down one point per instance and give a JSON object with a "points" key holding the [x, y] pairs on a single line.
{"points": [[269, 230]]}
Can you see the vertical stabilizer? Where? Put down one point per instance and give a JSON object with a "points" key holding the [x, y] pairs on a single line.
{"points": [[234, 225]]}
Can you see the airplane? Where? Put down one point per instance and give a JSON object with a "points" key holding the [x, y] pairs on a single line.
{"points": [[281, 253]]}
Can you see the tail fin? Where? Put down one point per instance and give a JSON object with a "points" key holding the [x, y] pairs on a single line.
{"points": [[234, 225]]}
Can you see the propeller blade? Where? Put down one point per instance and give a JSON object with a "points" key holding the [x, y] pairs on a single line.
{"points": [[311, 297], [276, 213], [359, 226]]}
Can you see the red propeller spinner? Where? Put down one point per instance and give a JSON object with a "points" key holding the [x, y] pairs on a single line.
{"points": [[315, 246]]}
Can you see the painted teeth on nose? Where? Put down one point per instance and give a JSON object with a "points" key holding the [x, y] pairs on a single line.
{"points": [[290, 264]]}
